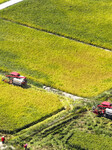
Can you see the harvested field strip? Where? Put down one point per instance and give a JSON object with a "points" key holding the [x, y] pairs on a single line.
{"points": [[46, 127], [20, 108], [58, 62], [88, 21], [57, 34], [72, 131]]}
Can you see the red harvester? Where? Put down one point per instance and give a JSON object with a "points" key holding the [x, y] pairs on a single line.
{"points": [[103, 109], [16, 79]]}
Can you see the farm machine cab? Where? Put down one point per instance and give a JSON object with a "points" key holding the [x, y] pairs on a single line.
{"points": [[103, 109], [16, 79]]}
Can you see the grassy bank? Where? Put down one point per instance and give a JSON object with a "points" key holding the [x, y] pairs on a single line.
{"points": [[20, 107], [58, 62], [88, 21]]}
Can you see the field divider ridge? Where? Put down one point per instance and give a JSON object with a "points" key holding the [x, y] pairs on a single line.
{"points": [[57, 34]]}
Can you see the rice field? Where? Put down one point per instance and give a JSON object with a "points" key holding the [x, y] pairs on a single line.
{"points": [[58, 62], [20, 107], [88, 21]]}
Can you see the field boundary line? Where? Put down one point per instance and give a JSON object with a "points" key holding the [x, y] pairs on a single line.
{"points": [[58, 34], [9, 3]]}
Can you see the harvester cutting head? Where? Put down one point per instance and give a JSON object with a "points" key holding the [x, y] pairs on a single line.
{"points": [[16, 79]]}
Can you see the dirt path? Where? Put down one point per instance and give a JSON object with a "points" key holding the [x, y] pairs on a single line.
{"points": [[9, 3], [74, 97], [6, 147]]}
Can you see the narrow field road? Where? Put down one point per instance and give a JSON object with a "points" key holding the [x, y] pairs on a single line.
{"points": [[56, 91], [6, 147], [9, 3]]}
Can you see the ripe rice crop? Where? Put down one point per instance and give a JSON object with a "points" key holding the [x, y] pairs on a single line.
{"points": [[2, 1], [85, 20], [19, 107], [58, 62]]}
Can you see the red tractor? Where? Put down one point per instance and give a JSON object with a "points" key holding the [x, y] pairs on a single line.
{"points": [[16, 79], [103, 109]]}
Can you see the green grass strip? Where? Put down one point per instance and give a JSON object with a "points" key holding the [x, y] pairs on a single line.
{"points": [[84, 141]]}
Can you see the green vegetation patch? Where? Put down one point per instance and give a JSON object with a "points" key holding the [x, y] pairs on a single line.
{"points": [[85, 20], [20, 107], [58, 62], [2, 1], [83, 141]]}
